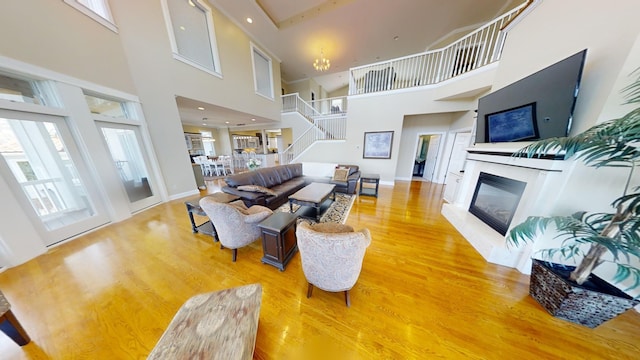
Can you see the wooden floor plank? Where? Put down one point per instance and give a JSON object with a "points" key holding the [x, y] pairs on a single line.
{"points": [[424, 292]]}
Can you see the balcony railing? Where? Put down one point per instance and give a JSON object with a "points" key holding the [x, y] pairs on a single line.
{"points": [[331, 106], [479, 48], [294, 103]]}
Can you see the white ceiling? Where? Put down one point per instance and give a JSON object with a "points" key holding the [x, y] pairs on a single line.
{"points": [[349, 32]]}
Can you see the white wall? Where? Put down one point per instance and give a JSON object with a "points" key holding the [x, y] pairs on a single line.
{"points": [[614, 106], [555, 30], [53, 35]]}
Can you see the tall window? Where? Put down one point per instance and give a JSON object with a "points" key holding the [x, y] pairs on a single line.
{"points": [[190, 24], [98, 10], [208, 143], [263, 77]]}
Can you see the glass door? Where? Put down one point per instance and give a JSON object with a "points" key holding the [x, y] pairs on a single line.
{"points": [[130, 161], [40, 161]]}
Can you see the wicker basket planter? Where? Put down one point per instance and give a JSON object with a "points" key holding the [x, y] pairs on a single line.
{"points": [[590, 304]]}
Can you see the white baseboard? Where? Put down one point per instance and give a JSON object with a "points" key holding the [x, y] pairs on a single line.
{"points": [[184, 194]]}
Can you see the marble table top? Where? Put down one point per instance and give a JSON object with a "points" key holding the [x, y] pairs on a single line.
{"points": [[216, 325]]}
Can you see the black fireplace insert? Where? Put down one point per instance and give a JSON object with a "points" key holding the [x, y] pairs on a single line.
{"points": [[495, 200]]}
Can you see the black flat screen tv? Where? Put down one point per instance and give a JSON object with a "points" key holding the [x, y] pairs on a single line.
{"points": [[553, 90], [515, 124]]}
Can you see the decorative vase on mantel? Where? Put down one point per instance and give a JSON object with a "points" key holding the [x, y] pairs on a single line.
{"points": [[589, 304]]}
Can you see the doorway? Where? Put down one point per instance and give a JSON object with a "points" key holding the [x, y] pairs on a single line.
{"points": [[427, 156]]}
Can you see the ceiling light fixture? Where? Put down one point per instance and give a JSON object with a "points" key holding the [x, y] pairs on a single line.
{"points": [[250, 20], [200, 108], [321, 64]]}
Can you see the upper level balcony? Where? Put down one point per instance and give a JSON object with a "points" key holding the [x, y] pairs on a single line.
{"points": [[479, 48]]}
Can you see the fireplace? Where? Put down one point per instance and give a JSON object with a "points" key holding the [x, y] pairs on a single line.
{"points": [[495, 200]]}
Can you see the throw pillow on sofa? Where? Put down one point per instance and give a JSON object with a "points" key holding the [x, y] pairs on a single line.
{"points": [[257, 188], [341, 174]]}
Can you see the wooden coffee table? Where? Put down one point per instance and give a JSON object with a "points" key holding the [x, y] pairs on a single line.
{"points": [[312, 195]]}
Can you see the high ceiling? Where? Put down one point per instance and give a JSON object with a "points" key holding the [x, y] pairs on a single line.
{"points": [[349, 32]]}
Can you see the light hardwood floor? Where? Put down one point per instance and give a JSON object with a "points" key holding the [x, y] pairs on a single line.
{"points": [[423, 293]]}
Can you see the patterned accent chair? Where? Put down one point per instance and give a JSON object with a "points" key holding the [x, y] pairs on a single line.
{"points": [[332, 256], [235, 224], [10, 325]]}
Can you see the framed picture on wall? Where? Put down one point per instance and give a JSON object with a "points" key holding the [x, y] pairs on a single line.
{"points": [[377, 145]]}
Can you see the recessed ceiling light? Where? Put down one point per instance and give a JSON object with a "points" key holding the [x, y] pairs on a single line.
{"points": [[226, 122], [200, 108], [253, 119], [250, 20], [204, 123], [396, 37]]}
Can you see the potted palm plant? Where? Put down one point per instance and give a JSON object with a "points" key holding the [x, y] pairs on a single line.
{"points": [[590, 239]]}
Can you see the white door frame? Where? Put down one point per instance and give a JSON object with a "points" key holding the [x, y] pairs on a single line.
{"points": [[449, 146], [443, 137]]}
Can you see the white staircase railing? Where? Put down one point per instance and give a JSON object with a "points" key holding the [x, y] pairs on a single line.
{"points": [[479, 48], [294, 103], [334, 105], [329, 127], [324, 126]]}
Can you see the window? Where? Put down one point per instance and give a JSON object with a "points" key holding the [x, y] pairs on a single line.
{"points": [[26, 91], [208, 143], [190, 25], [263, 77], [106, 107], [98, 10]]}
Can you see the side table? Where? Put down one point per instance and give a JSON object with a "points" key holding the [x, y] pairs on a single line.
{"points": [[279, 242], [193, 207], [369, 179]]}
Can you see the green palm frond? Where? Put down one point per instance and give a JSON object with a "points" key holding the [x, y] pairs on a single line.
{"points": [[624, 272], [533, 225], [580, 228], [629, 201]]}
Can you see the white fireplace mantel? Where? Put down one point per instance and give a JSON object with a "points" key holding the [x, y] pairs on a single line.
{"points": [[545, 180]]}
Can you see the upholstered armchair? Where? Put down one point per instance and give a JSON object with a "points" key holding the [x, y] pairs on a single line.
{"points": [[331, 256], [10, 325], [235, 224]]}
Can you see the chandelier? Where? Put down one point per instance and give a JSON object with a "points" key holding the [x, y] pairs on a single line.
{"points": [[322, 64]]}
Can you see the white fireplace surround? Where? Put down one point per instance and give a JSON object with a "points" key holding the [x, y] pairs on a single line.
{"points": [[545, 180]]}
